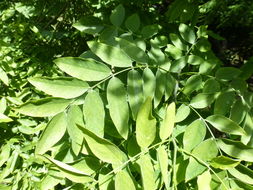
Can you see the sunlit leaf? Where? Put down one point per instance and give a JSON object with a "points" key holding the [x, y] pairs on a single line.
{"points": [[44, 107], [60, 87], [203, 100], [167, 124], [4, 77], [89, 25], [94, 114], [193, 83], [54, 131], [123, 181], [160, 86], [145, 125], [242, 173], [173, 51], [204, 181], [109, 54], [224, 102], [84, 69], [224, 163], [149, 83], [163, 159], [226, 125], [187, 33], [177, 42], [238, 111], [182, 113]]}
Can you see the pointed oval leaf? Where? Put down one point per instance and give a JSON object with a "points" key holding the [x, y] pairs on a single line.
{"points": [[168, 122], [224, 163], [145, 125], [238, 111], [193, 83], [60, 87], [147, 172], [173, 51], [182, 113], [89, 25], [169, 86], [178, 42], [150, 30], [123, 181], [118, 15], [227, 73], [204, 181], [4, 77], [160, 86], [226, 125], [149, 83], [187, 33], [133, 51], [44, 107], [211, 86], [178, 65], [242, 173], [236, 149], [223, 102], [133, 22], [74, 117], [84, 69], [54, 131], [163, 160], [195, 60], [103, 149], [94, 114], [109, 54], [135, 92], [203, 100], [194, 134], [118, 107]]}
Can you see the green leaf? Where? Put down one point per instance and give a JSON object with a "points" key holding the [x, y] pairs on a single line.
{"points": [[182, 113], [135, 92], [204, 181], [193, 83], [149, 83], [169, 86], [224, 163], [248, 127], [236, 149], [195, 60], [5, 153], [206, 67], [118, 15], [211, 86], [123, 181], [133, 51], [178, 42], [60, 87], [238, 111], [173, 51], [54, 131], [145, 125], [167, 124], [223, 103], [133, 22], [150, 30], [163, 160], [203, 100], [84, 69], [118, 107], [193, 169], [147, 172], [160, 86], [194, 134], [103, 149], [157, 57], [44, 107], [50, 180], [74, 117], [4, 118], [187, 33], [159, 41], [203, 45], [227, 73], [242, 173], [3, 105], [109, 54], [4, 77], [66, 167], [226, 125], [106, 181], [89, 25], [94, 114], [178, 65]]}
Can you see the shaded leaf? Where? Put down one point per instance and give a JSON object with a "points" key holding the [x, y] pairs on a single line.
{"points": [[227, 73], [178, 65], [118, 15], [135, 92], [150, 30], [118, 107], [223, 102], [173, 51], [203, 100], [195, 60], [109, 54], [177, 42], [193, 83], [242, 173], [238, 111], [89, 25], [211, 86], [160, 86], [133, 22], [159, 41]]}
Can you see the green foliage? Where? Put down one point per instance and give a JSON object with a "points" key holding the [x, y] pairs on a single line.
{"points": [[142, 107]]}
